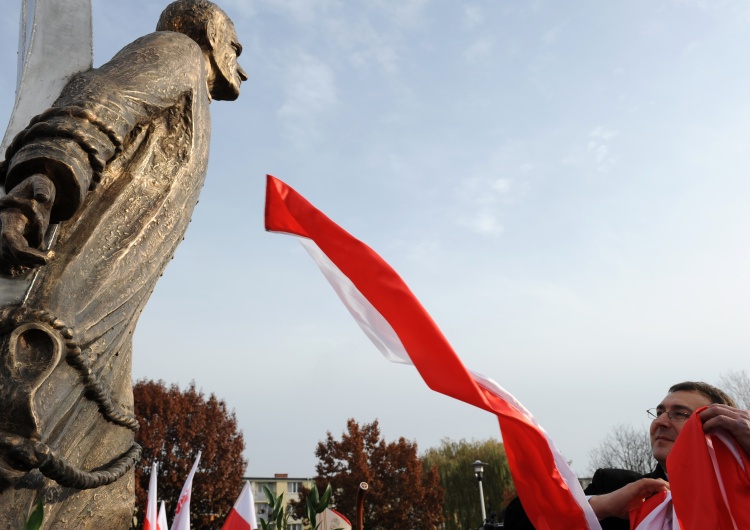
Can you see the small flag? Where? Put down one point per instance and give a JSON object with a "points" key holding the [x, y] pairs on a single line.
{"points": [[151, 520], [242, 515], [181, 519], [398, 325], [162, 520], [332, 520]]}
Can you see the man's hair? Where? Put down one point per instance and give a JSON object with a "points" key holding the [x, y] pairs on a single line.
{"points": [[189, 17], [711, 392]]}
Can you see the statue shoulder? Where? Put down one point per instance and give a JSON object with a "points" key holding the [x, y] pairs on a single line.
{"points": [[161, 46]]}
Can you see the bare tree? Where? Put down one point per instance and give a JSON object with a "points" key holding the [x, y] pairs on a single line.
{"points": [[625, 448], [737, 384]]}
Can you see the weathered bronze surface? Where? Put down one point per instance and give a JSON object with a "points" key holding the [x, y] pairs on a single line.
{"points": [[117, 164]]}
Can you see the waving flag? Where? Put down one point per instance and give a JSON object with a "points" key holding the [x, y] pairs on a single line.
{"points": [[398, 325], [181, 519], [151, 522], [242, 515]]}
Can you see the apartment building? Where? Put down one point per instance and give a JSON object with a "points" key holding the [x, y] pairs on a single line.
{"points": [[278, 484]]}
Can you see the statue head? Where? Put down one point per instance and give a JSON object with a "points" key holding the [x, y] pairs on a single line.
{"points": [[213, 30]]}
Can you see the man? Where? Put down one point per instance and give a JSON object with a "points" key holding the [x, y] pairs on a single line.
{"points": [[118, 161], [614, 492]]}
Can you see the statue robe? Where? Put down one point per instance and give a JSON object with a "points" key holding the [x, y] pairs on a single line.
{"points": [[128, 145]]}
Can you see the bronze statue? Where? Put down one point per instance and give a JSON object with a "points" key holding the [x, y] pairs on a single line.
{"points": [[117, 163]]}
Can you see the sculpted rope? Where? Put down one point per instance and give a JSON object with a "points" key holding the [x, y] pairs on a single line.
{"points": [[28, 454]]}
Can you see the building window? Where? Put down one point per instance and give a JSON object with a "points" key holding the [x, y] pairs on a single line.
{"points": [[258, 489], [294, 487], [263, 509]]}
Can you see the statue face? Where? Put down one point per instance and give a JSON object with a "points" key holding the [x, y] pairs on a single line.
{"points": [[228, 75]]}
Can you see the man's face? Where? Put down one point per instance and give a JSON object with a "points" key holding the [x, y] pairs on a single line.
{"points": [[663, 430], [228, 74]]}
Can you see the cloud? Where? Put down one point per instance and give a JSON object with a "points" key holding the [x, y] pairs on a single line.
{"points": [[482, 199], [502, 185], [484, 222], [473, 17], [598, 145], [364, 45], [304, 11], [603, 132], [479, 49], [310, 92], [597, 150], [405, 13], [551, 36]]}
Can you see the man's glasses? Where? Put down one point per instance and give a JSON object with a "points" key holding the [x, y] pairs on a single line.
{"points": [[676, 416]]}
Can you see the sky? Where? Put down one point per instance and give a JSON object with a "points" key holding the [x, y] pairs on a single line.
{"points": [[563, 185]]}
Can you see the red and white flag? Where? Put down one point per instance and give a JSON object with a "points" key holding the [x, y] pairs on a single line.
{"points": [[392, 317], [162, 520], [242, 515], [709, 478], [332, 520], [181, 519], [151, 522]]}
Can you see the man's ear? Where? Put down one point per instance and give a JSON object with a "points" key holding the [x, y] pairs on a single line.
{"points": [[211, 33]]}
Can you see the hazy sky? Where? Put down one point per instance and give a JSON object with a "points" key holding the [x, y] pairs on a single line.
{"points": [[564, 186]]}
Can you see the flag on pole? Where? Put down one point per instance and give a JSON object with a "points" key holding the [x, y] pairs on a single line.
{"points": [[242, 515], [151, 520], [162, 520], [332, 520], [181, 519], [392, 317]]}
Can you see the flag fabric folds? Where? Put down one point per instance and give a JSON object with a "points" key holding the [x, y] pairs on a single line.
{"points": [[398, 325], [332, 520], [656, 513], [181, 519], [162, 519], [709, 476], [151, 522], [242, 516]]}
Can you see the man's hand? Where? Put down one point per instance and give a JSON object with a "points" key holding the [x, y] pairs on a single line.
{"points": [[734, 421], [620, 502], [24, 218]]}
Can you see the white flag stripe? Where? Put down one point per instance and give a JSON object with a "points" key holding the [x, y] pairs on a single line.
{"points": [[377, 328]]}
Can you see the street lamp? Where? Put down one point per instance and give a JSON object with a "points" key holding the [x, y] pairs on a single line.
{"points": [[478, 466]]}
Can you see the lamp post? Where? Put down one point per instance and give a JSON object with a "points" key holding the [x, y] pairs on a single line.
{"points": [[478, 466]]}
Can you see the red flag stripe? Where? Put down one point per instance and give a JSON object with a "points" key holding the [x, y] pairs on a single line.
{"points": [[548, 488], [709, 478], [235, 522]]}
